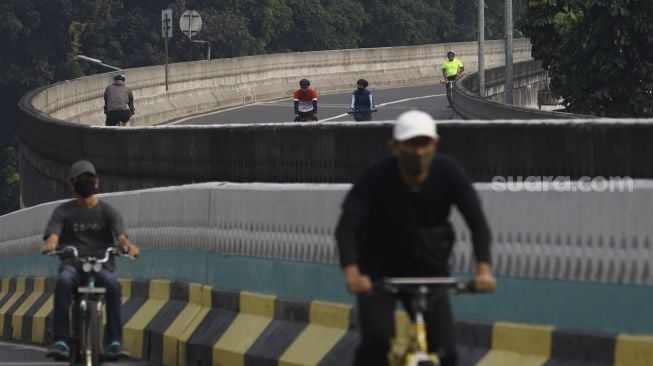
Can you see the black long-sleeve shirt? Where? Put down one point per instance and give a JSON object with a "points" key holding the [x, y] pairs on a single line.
{"points": [[382, 216]]}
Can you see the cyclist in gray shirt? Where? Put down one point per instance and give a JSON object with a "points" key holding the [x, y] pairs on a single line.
{"points": [[91, 225], [118, 102]]}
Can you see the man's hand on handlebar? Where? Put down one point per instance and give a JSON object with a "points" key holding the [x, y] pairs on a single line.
{"points": [[131, 250], [356, 282], [127, 247], [484, 280], [50, 245]]}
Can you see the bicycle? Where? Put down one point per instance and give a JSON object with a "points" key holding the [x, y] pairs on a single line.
{"points": [[362, 116], [86, 320], [120, 122], [305, 117], [416, 353], [449, 85]]}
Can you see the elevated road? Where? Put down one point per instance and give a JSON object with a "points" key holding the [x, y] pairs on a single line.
{"points": [[333, 107]]}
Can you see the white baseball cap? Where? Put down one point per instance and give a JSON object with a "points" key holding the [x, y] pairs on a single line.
{"points": [[413, 124]]}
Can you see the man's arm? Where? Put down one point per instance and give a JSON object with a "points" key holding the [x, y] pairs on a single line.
{"points": [[348, 224], [469, 205], [53, 230], [106, 103], [131, 102], [314, 99], [355, 211], [118, 229], [127, 247], [50, 244]]}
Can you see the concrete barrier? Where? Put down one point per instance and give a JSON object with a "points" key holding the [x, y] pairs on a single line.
{"points": [[529, 79], [278, 239], [177, 323]]}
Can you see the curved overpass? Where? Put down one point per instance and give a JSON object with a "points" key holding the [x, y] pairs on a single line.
{"points": [[55, 126], [54, 121], [174, 226]]}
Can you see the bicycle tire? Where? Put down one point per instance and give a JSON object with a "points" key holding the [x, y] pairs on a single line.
{"points": [[74, 353], [92, 344], [76, 333]]}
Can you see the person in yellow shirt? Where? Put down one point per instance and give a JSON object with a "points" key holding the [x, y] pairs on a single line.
{"points": [[452, 69]]}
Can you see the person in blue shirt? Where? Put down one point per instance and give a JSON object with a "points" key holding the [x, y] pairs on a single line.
{"points": [[362, 102]]}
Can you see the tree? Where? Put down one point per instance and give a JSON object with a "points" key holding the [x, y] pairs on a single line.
{"points": [[599, 51], [8, 180]]}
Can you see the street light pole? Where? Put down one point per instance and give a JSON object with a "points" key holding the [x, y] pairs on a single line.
{"points": [[97, 62], [508, 88], [481, 48]]}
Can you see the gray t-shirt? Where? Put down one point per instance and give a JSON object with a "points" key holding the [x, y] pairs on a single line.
{"points": [[91, 230]]}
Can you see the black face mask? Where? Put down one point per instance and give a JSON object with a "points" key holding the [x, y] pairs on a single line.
{"points": [[415, 164], [84, 188]]}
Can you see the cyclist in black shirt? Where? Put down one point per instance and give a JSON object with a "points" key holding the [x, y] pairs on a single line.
{"points": [[394, 223], [91, 225]]}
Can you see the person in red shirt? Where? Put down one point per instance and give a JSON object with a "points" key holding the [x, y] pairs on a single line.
{"points": [[305, 100]]}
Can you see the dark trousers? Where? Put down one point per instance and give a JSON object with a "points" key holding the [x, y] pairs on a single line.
{"points": [[363, 116], [67, 282], [377, 325], [115, 117]]}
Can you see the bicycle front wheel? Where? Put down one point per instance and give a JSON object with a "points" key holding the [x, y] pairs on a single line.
{"points": [[92, 344]]}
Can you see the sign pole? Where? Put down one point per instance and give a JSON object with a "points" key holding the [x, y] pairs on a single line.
{"points": [[166, 19], [166, 72]]}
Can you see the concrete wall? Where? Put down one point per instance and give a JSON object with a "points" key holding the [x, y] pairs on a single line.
{"points": [[334, 152], [529, 78], [578, 260], [196, 87]]}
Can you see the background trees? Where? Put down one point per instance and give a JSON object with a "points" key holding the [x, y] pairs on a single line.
{"points": [[600, 53]]}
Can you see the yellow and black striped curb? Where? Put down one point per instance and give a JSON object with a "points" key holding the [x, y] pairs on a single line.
{"points": [[176, 323]]}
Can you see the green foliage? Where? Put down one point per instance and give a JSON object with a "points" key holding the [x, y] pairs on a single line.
{"points": [[8, 180], [600, 53]]}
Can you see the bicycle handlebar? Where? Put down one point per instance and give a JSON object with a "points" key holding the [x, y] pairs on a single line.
{"points": [[107, 253], [357, 111], [396, 284]]}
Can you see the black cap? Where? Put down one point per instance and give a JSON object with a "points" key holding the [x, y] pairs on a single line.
{"points": [[80, 168]]}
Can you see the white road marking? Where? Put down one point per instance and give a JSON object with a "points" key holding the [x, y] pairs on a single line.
{"points": [[271, 102], [22, 346], [388, 103]]}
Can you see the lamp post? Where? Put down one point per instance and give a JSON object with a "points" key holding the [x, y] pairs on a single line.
{"points": [[97, 62], [481, 48], [509, 67]]}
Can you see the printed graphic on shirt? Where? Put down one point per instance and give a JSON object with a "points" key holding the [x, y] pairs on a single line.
{"points": [[88, 226]]}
